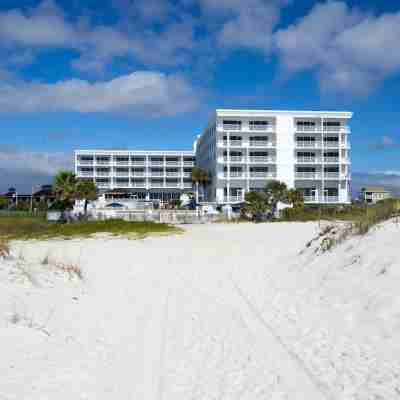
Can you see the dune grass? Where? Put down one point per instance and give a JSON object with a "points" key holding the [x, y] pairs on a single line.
{"points": [[363, 217], [26, 228]]}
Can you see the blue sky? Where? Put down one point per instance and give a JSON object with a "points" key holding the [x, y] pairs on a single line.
{"points": [[148, 73]]}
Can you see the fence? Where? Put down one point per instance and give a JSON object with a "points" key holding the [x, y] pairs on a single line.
{"points": [[163, 216]]}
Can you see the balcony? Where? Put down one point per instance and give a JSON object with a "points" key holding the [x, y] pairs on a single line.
{"points": [[123, 163], [140, 184], [331, 175], [234, 174], [331, 160], [188, 163], [187, 174], [261, 128], [331, 199], [261, 174], [233, 199], [187, 185], [139, 163], [103, 162], [156, 162], [169, 173], [311, 144], [103, 174], [332, 145], [122, 173], [262, 159], [308, 160], [156, 174], [261, 143], [232, 127], [103, 184], [308, 175], [85, 162], [86, 173], [234, 159], [310, 199], [172, 184], [173, 163]]}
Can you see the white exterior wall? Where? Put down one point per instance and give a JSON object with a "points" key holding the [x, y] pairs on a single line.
{"points": [[285, 149], [328, 183]]}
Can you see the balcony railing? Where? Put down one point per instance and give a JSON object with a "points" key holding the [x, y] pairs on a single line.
{"points": [[308, 175], [154, 162], [138, 173], [308, 144], [103, 174], [261, 174], [122, 162], [234, 158], [334, 160], [310, 199], [232, 127], [237, 198], [120, 173], [138, 162], [172, 173], [188, 163], [103, 162], [262, 159], [331, 175], [103, 184], [234, 174], [85, 173], [187, 185], [308, 160], [333, 145], [260, 127], [331, 199], [140, 184], [260, 143], [172, 184], [156, 174], [187, 174], [85, 162], [175, 163]]}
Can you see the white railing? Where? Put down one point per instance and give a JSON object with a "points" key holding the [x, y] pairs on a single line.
{"points": [[308, 160], [175, 163], [85, 162], [333, 145], [187, 174], [120, 173], [332, 175], [234, 158], [138, 184], [85, 173], [262, 159], [261, 174], [187, 185], [152, 162], [103, 174], [156, 174], [310, 199], [331, 160], [172, 184], [260, 143], [234, 174], [138, 163], [233, 198], [308, 144], [172, 173], [136, 173], [121, 163], [235, 142], [232, 127], [331, 199], [188, 163], [263, 128], [103, 184], [308, 175], [103, 162]]}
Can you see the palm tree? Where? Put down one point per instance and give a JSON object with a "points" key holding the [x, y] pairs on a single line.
{"points": [[199, 177], [86, 190], [296, 197], [65, 185], [276, 192], [255, 205]]}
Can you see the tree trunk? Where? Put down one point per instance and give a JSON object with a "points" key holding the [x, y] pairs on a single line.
{"points": [[85, 207]]}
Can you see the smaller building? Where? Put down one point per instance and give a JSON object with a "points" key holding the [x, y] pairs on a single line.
{"points": [[373, 194]]}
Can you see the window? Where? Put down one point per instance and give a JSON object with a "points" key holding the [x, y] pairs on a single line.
{"points": [[306, 123], [332, 123]]}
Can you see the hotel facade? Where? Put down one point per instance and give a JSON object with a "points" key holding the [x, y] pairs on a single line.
{"points": [[241, 150]]}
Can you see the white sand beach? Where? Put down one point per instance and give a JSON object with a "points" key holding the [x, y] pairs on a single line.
{"points": [[224, 311]]}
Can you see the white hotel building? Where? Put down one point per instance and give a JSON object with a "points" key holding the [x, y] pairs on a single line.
{"points": [[241, 150]]}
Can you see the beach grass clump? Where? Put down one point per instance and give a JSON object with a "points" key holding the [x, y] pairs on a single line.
{"points": [[38, 228]]}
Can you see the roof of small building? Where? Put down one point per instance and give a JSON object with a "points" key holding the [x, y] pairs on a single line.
{"points": [[375, 189]]}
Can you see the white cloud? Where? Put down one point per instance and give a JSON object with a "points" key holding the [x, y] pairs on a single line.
{"points": [[46, 27], [142, 92], [351, 51], [246, 24]]}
